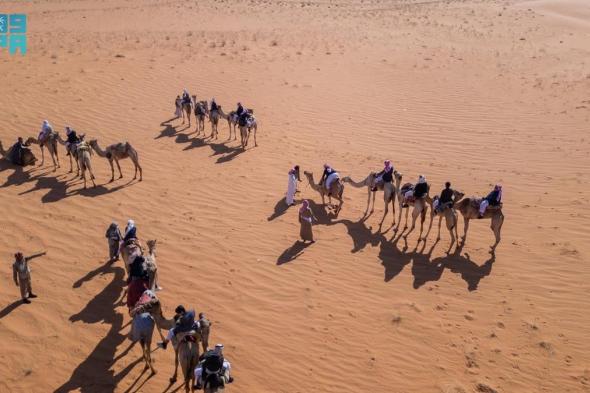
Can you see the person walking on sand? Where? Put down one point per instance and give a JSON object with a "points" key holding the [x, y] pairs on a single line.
{"points": [[305, 219], [292, 185], [21, 273], [114, 237], [178, 105]]}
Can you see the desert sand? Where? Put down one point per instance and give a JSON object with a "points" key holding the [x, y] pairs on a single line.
{"points": [[475, 92]]}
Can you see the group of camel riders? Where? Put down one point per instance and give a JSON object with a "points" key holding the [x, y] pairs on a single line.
{"points": [[140, 296], [416, 191], [242, 114]]}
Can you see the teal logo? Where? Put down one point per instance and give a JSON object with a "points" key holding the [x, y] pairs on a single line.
{"points": [[13, 29]]}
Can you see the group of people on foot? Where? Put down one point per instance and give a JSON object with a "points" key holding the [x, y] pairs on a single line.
{"points": [[410, 193], [141, 298]]}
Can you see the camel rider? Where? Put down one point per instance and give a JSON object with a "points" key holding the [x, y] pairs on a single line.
{"points": [[494, 198], [214, 106], [18, 152], [213, 362], [73, 138], [130, 232], [243, 117], [385, 176], [420, 189], [328, 177], [184, 322], [445, 200], [46, 130], [186, 98], [240, 109]]}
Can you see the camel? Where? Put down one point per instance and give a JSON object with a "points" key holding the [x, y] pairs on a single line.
{"points": [[130, 251], [245, 131], [116, 152], [232, 122], [83, 151], [389, 192], [469, 209], [147, 323], [187, 108], [187, 355], [200, 114], [72, 149], [28, 156], [214, 118], [420, 209], [51, 142], [450, 216], [336, 190], [152, 267]]}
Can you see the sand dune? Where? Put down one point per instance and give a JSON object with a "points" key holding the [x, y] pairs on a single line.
{"points": [[472, 92]]}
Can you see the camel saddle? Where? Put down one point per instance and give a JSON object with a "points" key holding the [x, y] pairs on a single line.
{"points": [[475, 202], [143, 305]]}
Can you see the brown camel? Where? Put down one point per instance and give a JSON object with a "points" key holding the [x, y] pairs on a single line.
{"points": [[187, 108], [83, 152], [420, 209], [214, 118], [116, 152], [469, 209], [50, 141], [28, 156], [151, 265], [200, 114], [72, 149], [187, 355], [450, 216], [232, 122], [389, 192], [130, 251], [336, 190], [245, 131]]}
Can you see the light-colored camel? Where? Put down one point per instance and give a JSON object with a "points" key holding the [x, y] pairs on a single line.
{"points": [[232, 122], [187, 108], [72, 149], [469, 209], [420, 209], [28, 156], [214, 119], [151, 265], [130, 251], [83, 151], [336, 190], [116, 152], [186, 354], [145, 339], [245, 131], [450, 216], [200, 114], [389, 192], [50, 142]]}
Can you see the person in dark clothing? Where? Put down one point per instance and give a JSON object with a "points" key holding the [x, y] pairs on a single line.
{"points": [[385, 176], [446, 199], [494, 198], [240, 109], [214, 106], [130, 231], [73, 139], [137, 269], [113, 234], [18, 150], [421, 188], [186, 98]]}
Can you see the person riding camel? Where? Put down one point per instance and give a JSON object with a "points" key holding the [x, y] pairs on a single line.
{"points": [[328, 177], [445, 200], [494, 198], [73, 138], [385, 176], [244, 117], [214, 106], [184, 322], [18, 152], [130, 232], [240, 109], [213, 362], [186, 98], [46, 130], [420, 190]]}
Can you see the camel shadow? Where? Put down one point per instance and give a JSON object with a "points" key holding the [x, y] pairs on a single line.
{"points": [[392, 258], [293, 252], [10, 308], [423, 269], [360, 234], [168, 131], [19, 175], [470, 272], [95, 372], [280, 209], [228, 153], [101, 270], [195, 143]]}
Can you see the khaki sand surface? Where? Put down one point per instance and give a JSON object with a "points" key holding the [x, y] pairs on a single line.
{"points": [[475, 92]]}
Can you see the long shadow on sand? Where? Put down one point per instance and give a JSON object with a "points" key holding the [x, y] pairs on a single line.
{"points": [[293, 252], [21, 175], [10, 308], [95, 374]]}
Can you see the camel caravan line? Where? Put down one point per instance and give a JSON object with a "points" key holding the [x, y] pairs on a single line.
{"points": [[77, 148], [241, 119]]}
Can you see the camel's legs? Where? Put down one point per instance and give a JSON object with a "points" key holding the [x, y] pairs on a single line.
{"points": [[456, 221], [422, 219], [138, 167], [119, 167], [407, 212], [112, 171], [430, 225], [414, 218], [439, 225], [466, 220], [497, 221], [255, 142], [454, 226], [175, 375]]}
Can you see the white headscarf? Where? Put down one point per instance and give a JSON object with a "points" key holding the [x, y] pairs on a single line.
{"points": [[421, 179], [185, 92], [130, 225]]}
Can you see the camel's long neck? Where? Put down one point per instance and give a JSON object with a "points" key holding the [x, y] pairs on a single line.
{"points": [[2, 151], [362, 184], [61, 141], [312, 183], [98, 150]]}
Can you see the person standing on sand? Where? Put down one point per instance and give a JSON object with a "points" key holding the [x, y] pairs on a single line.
{"points": [[114, 237], [178, 105], [292, 185], [305, 219], [21, 274]]}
